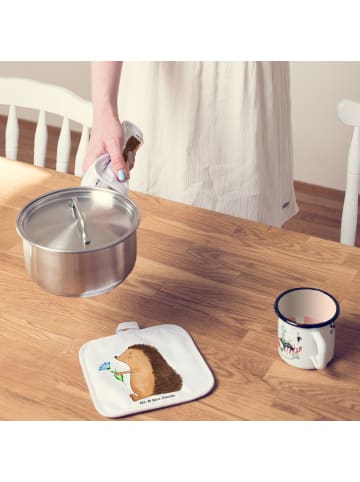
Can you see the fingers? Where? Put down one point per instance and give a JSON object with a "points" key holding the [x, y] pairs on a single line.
{"points": [[123, 173], [117, 161], [113, 146]]}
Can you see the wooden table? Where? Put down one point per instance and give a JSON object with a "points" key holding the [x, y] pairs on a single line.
{"points": [[216, 276]]}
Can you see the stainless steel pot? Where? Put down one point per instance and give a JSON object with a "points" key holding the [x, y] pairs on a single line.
{"points": [[79, 241]]}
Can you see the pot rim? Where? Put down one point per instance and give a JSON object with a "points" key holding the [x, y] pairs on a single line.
{"points": [[88, 251]]}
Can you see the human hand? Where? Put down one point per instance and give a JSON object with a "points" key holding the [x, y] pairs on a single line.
{"points": [[107, 136]]}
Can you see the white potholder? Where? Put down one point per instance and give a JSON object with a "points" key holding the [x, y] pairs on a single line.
{"points": [[138, 370]]}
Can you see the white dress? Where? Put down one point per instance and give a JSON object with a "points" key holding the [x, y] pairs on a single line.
{"points": [[216, 135]]}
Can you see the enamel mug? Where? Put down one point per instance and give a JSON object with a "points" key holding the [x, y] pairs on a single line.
{"points": [[306, 327]]}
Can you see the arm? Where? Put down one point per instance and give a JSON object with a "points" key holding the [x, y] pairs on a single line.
{"points": [[107, 133]]}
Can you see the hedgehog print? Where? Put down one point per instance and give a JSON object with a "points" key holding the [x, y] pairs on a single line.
{"points": [[150, 374]]}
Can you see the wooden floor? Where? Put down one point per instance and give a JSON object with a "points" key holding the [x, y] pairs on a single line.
{"points": [[319, 208], [320, 212]]}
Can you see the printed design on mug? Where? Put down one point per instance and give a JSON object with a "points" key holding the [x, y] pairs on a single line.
{"points": [[291, 348], [332, 327], [150, 374]]}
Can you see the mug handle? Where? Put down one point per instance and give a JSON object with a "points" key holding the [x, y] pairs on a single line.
{"points": [[319, 360]]}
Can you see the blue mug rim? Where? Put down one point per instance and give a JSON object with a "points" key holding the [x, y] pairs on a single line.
{"points": [[316, 325]]}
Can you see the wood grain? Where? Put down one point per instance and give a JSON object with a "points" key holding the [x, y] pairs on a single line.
{"points": [[216, 276]]}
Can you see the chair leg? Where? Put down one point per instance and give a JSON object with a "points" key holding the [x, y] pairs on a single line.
{"points": [[80, 154], [63, 147], [350, 207], [40, 140], [12, 134], [350, 211]]}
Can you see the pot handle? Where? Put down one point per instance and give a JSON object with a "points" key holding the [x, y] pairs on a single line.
{"points": [[77, 213]]}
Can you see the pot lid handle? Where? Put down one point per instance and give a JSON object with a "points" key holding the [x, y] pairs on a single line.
{"points": [[74, 204]]}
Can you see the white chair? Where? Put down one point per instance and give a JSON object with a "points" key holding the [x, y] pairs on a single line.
{"points": [[19, 92], [349, 114]]}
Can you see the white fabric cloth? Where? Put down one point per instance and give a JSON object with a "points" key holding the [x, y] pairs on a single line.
{"points": [[217, 135], [138, 370]]}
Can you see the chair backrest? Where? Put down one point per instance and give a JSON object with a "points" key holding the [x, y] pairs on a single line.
{"points": [[349, 114], [18, 92]]}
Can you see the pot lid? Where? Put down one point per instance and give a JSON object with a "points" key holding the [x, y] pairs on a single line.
{"points": [[78, 219]]}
